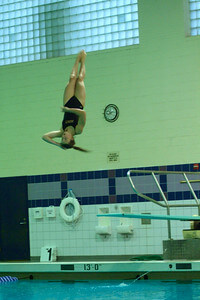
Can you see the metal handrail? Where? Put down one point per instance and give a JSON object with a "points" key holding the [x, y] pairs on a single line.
{"points": [[166, 203]]}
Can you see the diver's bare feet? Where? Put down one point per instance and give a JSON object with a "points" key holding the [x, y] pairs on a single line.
{"points": [[83, 55], [79, 56]]}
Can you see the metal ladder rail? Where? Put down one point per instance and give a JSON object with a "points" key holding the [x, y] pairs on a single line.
{"points": [[166, 203]]}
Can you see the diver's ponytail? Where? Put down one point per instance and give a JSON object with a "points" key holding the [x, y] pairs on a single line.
{"points": [[80, 149]]}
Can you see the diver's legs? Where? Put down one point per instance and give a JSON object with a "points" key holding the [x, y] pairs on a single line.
{"points": [[80, 86], [70, 88]]}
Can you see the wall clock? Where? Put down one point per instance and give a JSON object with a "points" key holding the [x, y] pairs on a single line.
{"points": [[111, 112]]}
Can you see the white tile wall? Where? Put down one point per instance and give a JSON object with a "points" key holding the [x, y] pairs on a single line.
{"points": [[81, 239]]}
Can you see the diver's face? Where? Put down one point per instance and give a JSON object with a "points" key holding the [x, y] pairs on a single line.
{"points": [[66, 137]]}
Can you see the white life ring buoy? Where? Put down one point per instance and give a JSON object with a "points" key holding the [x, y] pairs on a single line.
{"points": [[77, 209]]}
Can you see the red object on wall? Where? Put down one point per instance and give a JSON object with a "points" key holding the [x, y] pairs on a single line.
{"points": [[195, 166]]}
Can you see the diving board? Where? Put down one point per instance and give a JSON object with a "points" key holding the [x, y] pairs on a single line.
{"points": [[154, 217]]}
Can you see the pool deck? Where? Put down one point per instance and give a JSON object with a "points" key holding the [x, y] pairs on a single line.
{"points": [[88, 270]]}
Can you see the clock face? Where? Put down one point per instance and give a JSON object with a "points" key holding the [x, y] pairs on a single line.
{"points": [[111, 112]]}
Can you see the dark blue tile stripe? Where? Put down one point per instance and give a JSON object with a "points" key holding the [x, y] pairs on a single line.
{"points": [[92, 175]]}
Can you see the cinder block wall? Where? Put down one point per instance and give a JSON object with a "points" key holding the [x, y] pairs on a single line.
{"points": [[155, 84]]}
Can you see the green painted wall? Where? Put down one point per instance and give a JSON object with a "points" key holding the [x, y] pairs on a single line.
{"points": [[155, 84]]}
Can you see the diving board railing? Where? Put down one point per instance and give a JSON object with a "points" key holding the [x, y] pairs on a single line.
{"points": [[166, 204]]}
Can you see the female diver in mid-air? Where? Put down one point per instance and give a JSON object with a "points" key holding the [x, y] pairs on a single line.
{"points": [[74, 115]]}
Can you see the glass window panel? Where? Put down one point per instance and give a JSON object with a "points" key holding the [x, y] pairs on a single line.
{"points": [[37, 41], [102, 46], [24, 35], [31, 57], [136, 40], [122, 35], [109, 45], [193, 23], [81, 26], [122, 43], [93, 7], [193, 5], [90, 48], [95, 39], [135, 24], [30, 43], [19, 59], [101, 30], [74, 43], [107, 21], [87, 24], [114, 19], [108, 29], [18, 44], [129, 17], [95, 15], [88, 40], [63, 27], [17, 21], [18, 52], [13, 60], [100, 22], [107, 13], [114, 28], [35, 26], [94, 31], [194, 17], [106, 4], [13, 53], [25, 58], [130, 42], [120, 18], [95, 47], [37, 48], [6, 39], [6, 46], [7, 61], [115, 36], [86, 8], [136, 33], [100, 6], [101, 38], [94, 23], [134, 8], [25, 43], [43, 48], [30, 50], [108, 37], [43, 56], [113, 11], [120, 10], [127, 9], [122, 27], [24, 51], [115, 44], [113, 3], [24, 20]]}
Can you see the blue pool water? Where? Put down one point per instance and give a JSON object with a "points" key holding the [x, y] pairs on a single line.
{"points": [[143, 289]]}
